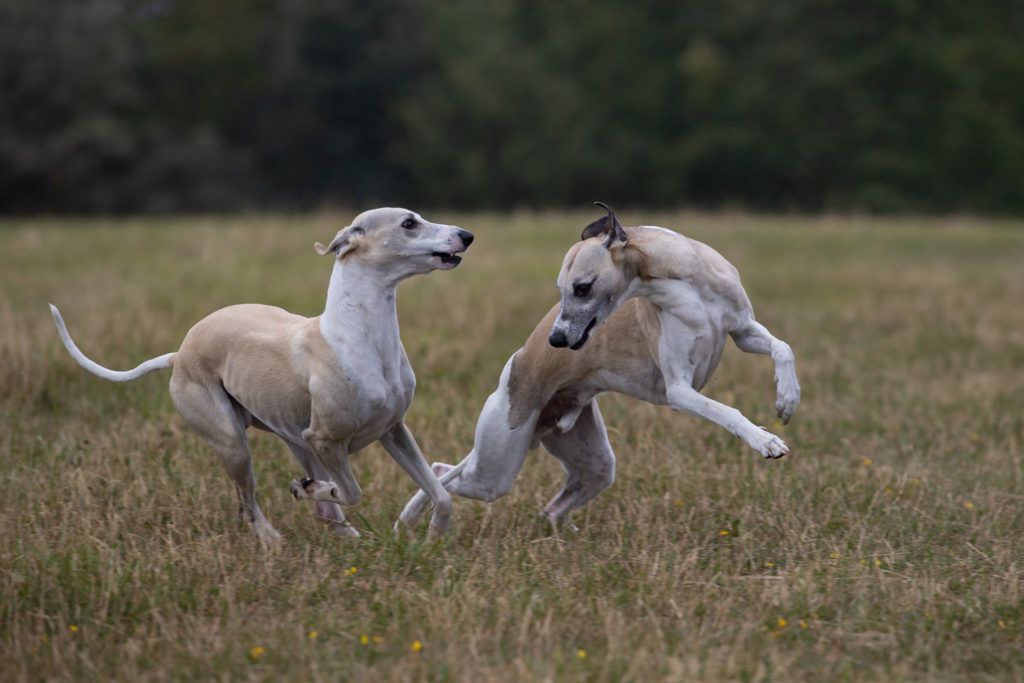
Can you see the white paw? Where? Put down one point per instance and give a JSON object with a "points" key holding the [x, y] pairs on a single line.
{"points": [[267, 534], [345, 530], [439, 468], [786, 403], [412, 513], [769, 445], [561, 523], [312, 489]]}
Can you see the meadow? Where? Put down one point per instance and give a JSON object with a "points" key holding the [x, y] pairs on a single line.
{"points": [[887, 546]]}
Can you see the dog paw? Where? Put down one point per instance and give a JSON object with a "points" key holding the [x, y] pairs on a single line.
{"points": [[439, 468], [560, 524], [344, 529], [311, 489], [786, 404], [411, 514], [770, 446]]}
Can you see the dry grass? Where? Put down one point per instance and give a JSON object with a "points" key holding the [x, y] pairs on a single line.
{"points": [[887, 546]]}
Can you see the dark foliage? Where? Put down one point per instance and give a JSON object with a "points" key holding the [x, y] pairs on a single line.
{"points": [[167, 105]]}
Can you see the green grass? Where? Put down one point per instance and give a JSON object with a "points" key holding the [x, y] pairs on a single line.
{"points": [[888, 545]]}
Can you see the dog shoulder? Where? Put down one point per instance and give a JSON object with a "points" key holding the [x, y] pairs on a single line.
{"points": [[530, 371], [663, 254]]}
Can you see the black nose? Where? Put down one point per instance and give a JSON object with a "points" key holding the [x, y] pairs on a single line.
{"points": [[558, 339], [466, 236]]}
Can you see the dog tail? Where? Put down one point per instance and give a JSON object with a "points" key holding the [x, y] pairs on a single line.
{"points": [[159, 363]]}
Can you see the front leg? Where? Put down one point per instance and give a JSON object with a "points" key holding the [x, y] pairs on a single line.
{"points": [[755, 338], [686, 399], [400, 444], [683, 345]]}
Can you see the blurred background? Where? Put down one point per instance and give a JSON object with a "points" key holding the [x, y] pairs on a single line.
{"points": [[118, 106]]}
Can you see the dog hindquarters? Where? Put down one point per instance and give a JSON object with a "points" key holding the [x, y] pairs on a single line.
{"points": [[588, 460], [211, 412]]}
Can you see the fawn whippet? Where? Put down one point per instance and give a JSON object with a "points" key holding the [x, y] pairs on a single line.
{"points": [[644, 312], [327, 385]]}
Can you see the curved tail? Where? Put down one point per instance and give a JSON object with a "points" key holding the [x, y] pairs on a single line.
{"points": [[159, 363]]}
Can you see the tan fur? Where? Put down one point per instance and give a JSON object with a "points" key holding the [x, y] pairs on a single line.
{"points": [[250, 347], [681, 258], [627, 342]]}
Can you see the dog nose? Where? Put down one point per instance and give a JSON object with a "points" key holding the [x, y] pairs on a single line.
{"points": [[558, 339], [466, 236]]}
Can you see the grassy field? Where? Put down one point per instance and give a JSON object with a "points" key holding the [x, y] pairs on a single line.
{"points": [[888, 545]]}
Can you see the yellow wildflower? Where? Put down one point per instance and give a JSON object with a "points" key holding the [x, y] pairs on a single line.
{"points": [[417, 646], [582, 654], [256, 652]]}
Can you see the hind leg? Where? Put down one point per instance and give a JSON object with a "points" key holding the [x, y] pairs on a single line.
{"points": [[220, 421], [588, 461], [328, 512]]}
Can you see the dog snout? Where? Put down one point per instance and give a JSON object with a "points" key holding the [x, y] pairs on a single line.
{"points": [[558, 339], [466, 236]]}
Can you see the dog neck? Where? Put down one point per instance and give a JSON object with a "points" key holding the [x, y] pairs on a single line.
{"points": [[361, 309]]}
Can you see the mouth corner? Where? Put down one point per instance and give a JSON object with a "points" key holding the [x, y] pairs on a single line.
{"points": [[585, 336]]}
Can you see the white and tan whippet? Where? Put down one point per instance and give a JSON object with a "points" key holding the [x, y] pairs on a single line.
{"points": [[327, 385], [644, 312]]}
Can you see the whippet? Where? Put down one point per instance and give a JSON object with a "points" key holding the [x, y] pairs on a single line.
{"points": [[327, 385], [644, 312]]}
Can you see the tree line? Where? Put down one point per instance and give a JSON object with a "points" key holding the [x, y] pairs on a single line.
{"points": [[191, 105]]}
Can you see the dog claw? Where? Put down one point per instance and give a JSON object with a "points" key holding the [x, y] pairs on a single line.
{"points": [[772, 447]]}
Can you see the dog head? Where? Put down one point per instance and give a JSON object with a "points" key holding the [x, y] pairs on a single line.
{"points": [[399, 239], [593, 282]]}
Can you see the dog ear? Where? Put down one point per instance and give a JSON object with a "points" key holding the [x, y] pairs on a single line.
{"points": [[596, 228], [609, 225], [342, 242]]}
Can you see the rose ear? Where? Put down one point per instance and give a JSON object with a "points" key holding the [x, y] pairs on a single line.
{"points": [[595, 229], [342, 242], [610, 226]]}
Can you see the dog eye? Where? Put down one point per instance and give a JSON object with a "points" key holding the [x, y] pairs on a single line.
{"points": [[582, 289], [409, 224]]}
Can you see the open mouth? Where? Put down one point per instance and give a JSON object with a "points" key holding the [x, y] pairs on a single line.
{"points": [[448, 258], [586, 335]]}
